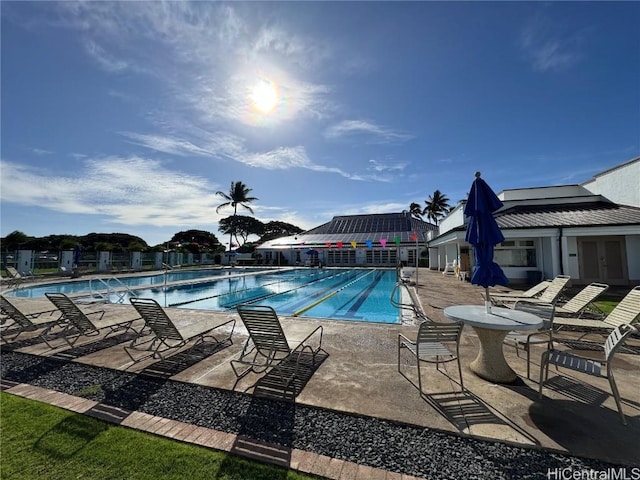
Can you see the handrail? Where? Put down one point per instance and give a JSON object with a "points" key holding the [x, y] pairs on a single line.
{"points": [[121, 293], [414, 305]]}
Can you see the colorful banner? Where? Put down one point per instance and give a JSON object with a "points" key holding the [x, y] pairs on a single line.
{"points": [[383, 242], [328, 244], [339, 244], [369, 244], [354, 244], [414, 237], [397, 240]]}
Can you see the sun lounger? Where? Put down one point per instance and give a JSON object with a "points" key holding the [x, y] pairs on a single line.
{"points": [[268, 347], [17, 322], [533, 292], [626, 312], [588, 365], [168, 335], [16, 278], [80, 325], [582, 302], [550, 294]]}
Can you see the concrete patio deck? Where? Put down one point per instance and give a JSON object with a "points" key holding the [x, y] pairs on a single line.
{"points": [[577, 414]]}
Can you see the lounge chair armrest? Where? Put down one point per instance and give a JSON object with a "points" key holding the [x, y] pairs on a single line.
{"points": [[303, 341], [402, 339]]}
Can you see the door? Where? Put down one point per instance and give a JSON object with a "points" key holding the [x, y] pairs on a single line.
{"points": [[603, 260]]}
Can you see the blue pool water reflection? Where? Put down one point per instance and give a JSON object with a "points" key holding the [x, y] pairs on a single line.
{"points": [[344, 294]]}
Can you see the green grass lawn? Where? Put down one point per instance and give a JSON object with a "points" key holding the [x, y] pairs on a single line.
{"points": [[39, 441]]}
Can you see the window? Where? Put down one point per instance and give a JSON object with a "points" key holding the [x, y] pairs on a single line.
{"points": [[381, 257], [516, 253]]}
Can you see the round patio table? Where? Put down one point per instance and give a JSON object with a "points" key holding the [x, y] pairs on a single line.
{"points": [[492, 328]]}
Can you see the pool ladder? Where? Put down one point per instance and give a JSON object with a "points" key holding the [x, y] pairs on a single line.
{"points": [[120, 291], [413, 306]]}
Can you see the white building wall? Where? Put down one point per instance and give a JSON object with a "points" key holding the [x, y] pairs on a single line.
{"points": [[104, 261], [453, 220], [633, 256], [136, 260], [572, 267], [24, 261], [620, 185], [66, 260]]}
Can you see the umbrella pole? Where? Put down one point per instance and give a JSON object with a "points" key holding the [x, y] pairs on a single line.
{"points": [[487, 302]]}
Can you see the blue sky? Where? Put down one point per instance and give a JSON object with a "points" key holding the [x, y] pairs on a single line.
{"points": [[129, 116]]}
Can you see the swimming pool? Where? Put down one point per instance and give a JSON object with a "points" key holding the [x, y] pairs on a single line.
{"points": [[110, 282], [343, 294]]}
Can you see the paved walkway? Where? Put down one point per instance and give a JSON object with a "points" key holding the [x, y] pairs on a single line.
{"points": [[577, 415]]}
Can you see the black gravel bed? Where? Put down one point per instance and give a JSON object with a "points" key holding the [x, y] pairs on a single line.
{"points": [[397, 447]]}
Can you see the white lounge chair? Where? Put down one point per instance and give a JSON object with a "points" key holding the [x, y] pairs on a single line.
{"points": [[550, 294], [627, 311], [582, 301]]}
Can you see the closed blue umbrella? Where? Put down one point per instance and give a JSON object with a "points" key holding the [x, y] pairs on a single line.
{"points": [[483, 233], [77, 253]]}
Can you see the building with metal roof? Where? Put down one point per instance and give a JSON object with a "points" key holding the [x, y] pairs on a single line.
{"points": [[382, 239], [589, 231]]}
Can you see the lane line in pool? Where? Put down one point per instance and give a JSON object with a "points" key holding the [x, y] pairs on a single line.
{"points": [[364, 295], [302, 310]]}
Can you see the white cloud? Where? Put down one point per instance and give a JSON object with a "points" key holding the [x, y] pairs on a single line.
{"points": [[547, 48], [105, 60], [164, 144], [375, 133], [379, 166], [40, 151], [129, 191]]}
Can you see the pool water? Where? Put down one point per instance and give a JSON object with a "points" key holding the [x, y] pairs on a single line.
{"points": [[343, 294]]}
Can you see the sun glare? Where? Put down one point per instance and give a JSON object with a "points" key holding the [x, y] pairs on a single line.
{"points": [[264, 96]]}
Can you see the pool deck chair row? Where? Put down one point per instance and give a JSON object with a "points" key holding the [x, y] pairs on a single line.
{"points": [[627, 311], [80, 324], [48, 323], [169, 335], [267, 346]]}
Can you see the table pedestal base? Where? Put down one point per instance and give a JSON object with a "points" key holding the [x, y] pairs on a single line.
{"points": [[490, 363]]}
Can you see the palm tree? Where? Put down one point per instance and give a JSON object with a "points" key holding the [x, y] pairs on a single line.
{"points": [[415, 210], [238, 195], [437, 206]]}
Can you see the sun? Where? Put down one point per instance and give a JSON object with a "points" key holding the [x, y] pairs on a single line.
{"points": [[264, 96]]}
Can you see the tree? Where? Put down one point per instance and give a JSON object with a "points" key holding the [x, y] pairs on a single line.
{"points": [[14, 240], [204, 240], [277, 229], [241, 225], [437, 206], [415, 210], [238, 195]]}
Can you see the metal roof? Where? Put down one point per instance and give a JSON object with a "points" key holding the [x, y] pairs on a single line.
{"points": [[568, 215], [360, 229]]}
